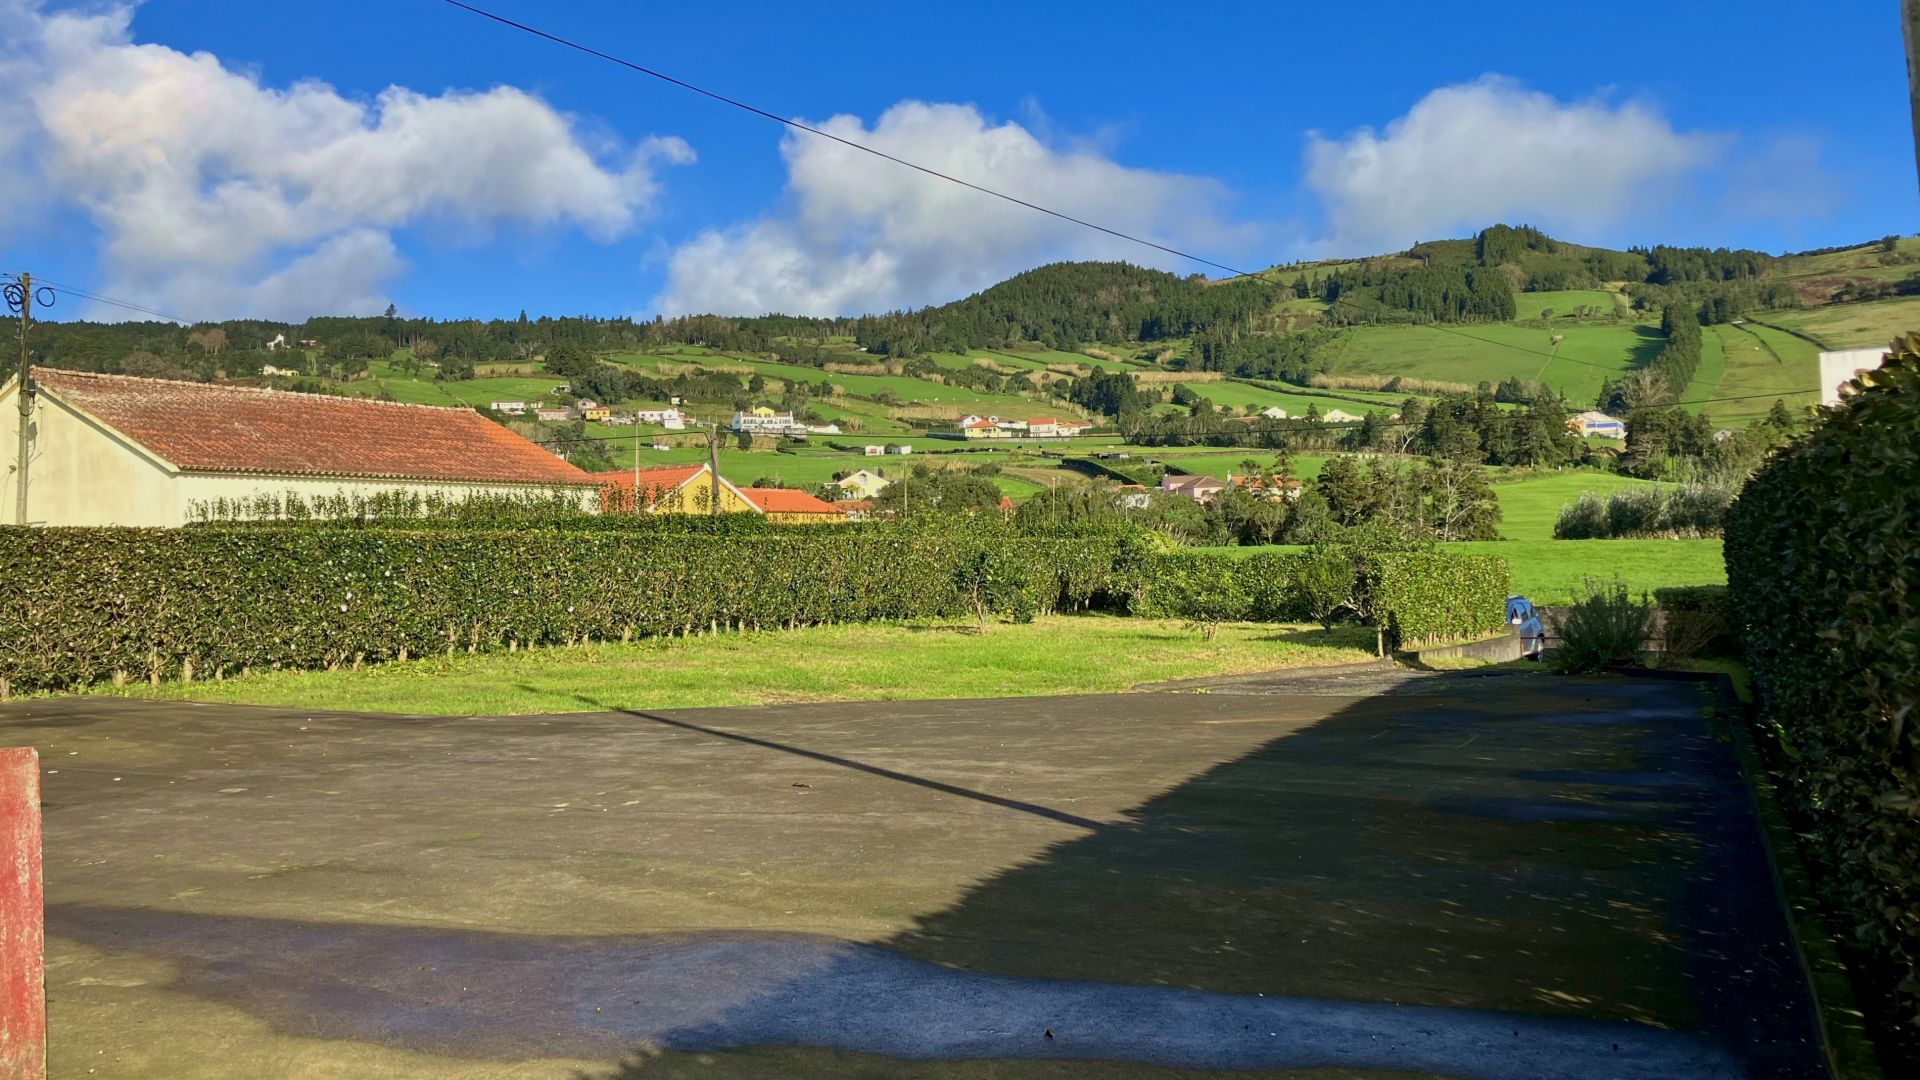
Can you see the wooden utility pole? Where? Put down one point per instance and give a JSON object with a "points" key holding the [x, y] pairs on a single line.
{"points": [[713, 462], [636, 467], [1910, 29], [23, 396]]}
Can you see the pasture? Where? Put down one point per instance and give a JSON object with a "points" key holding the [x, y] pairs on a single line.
{"points": [[1562, 302], [1854, 326], [1762, 365], [1586, 357], [1530, 503]]}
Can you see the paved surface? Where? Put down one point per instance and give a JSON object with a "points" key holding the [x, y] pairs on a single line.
{"points": [[1353, 874]]}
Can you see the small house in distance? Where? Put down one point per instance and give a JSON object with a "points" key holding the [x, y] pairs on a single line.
{"points": [[1198, 488], [119, 450], [1590, 424], [789, 507], [670, 489], [861, 484]]}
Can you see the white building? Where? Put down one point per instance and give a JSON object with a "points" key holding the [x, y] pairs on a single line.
{"points": [[764, 421], [1594, 423], [116, 450], [1837, 368], [1274, 412], [670, 418], [510, 408], [1339, 416]]}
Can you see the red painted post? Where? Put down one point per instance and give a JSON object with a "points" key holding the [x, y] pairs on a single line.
{"points": [[23, 997]]}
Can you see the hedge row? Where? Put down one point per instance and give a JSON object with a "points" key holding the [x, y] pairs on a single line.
{"points": [[148, 604], [1418, 597], [1823, 572]]}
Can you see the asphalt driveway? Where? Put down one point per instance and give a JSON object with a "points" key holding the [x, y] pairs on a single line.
{"points": [[1364, 875]]}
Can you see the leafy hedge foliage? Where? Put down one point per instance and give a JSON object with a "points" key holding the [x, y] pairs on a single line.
{"points": [[207, 602], [1823, 571], [1419, 597], [1689, 510]]}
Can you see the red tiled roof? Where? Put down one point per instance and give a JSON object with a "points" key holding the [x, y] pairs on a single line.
{"points": [[1041, 420], [653, 482], [207, 427], [854, 505], [788, 501]]}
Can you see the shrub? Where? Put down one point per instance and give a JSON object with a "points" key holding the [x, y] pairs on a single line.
{"points": [[1823, 576], [1584, 518], [1695, 622], [1324, 586], [156, 604], [1635, 512], [1426, 597], [1603, 628]]}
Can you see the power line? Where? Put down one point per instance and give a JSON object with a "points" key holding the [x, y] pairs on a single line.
{"points": [[1268, 274], [129, 305]]}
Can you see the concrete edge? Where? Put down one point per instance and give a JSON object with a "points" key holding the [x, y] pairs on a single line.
{"points": [[1385, 663], [1844, 1043]]}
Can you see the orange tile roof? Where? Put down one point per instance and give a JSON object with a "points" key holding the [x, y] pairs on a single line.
{"points": [[788, 501], [654, 483], [1041, 420], [205, 427]]}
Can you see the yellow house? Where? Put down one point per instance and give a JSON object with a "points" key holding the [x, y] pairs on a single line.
{"points": [[117, 450], [598, 412], [670, 489], [863, 484]]}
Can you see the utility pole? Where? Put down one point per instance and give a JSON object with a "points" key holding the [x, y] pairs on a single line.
{"points": [[713, 462], [1910, 29], [636, 468], [20, 298]]}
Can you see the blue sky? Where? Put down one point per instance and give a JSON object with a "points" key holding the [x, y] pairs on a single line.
{"points": [[219, 158]]}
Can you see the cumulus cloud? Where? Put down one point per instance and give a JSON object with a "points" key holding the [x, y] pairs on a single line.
{"points": [[1468, 155], [855, 233], [217, 195]]}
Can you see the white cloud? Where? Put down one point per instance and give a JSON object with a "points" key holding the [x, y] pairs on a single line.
{"points": [[219, 196], [856, 233], [1491, 150]]}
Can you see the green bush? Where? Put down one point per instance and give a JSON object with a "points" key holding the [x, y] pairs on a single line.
{"points": [[1695, 621], [1424, 597], [1823, 573], [207, 602], [1604, 627]]}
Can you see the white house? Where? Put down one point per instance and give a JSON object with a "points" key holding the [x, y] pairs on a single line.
{"points": [[1043, 427], [873, 450], [116, 450], [1070, 428], [764, 421], [510, 408], [1339, 416], [901, 449], [1590, 423], [1274, 412], [552, 415], [279, 342], [670, 418], [821, 429], [271, 370]]}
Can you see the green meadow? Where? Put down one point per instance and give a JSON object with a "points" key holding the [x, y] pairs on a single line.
{"points": [[1492, 352]]}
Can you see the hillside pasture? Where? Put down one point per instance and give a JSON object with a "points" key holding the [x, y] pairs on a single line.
{"points": [[1477, 353], [1562, 302], [1854, 326], [1239, 396], [1763, 365]]}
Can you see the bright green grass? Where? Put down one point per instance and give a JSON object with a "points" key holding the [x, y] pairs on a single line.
{"points": [[1530, 305], [1549, 571], [1855, 326], [1055, 655], [1710, 374], [1762, 365], [1529, 505], [1491, 353]]}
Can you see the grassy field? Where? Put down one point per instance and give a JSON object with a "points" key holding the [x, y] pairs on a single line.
{"points": [[1710, 374], [1529, 505], [1533, 305], [1490, 353], [1549, 571], [1762, 365], [1058, 655], [1240, 395], [1854, 326]]}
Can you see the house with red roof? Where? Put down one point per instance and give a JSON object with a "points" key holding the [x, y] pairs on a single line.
{"points": [[789, 507], [670, 489], [119, 450]]}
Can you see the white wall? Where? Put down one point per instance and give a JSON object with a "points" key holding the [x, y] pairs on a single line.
{"points": [[1837, 367], [82, 473]]}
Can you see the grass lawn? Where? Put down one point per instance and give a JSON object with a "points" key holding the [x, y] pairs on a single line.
{"points": [[1762, 361], [1855, 326], [1056, 655], [1529, 505], [1709, 375], [1486, 353], [1239, 395]]}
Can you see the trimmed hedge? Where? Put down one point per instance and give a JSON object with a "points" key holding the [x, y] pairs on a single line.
{"points": [[205, 602], [1823, 572], [1427, 597], [1419, 597]]}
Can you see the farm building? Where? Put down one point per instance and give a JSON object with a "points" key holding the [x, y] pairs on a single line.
{"points": [[793, 507], [1590, 423], [669, 489], [1198, 488], [118, 450], [862, 484]]}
